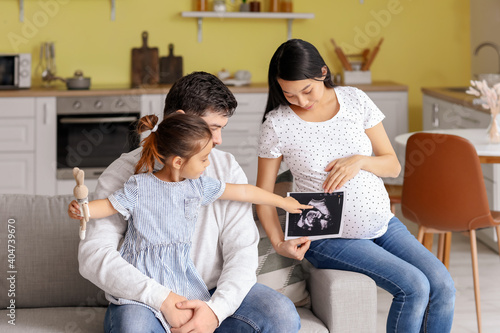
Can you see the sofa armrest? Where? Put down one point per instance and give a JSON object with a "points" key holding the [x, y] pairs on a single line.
{"points": [[344, 301]]}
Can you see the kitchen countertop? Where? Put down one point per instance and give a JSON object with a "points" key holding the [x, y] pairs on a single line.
{"points": [[103, 90], [454, 96]]}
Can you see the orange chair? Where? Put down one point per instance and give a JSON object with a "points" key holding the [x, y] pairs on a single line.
{"points": [[444, 191], [394, 192]]}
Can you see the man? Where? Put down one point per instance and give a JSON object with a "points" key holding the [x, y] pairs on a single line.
{"points": [[224, 247]]}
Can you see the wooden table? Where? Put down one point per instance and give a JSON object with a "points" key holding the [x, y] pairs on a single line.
{"points": [[487, 153]]}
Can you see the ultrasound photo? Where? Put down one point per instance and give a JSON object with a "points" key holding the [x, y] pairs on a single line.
{"points": [[324, 220]]}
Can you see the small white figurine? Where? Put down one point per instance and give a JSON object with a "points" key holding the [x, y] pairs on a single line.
{"points": [[81, 193]]}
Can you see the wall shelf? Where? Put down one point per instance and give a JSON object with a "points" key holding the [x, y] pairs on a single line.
{"points": [[247, 15]]}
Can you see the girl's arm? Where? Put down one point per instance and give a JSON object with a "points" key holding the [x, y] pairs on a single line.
{"points": [[97, 208], [266, 178], [253, 194], [384, 164]]}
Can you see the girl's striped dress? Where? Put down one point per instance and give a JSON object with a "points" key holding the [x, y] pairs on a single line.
{"points": [[161, 220]]}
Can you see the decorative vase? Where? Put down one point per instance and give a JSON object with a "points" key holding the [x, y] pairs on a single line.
{"points": [[219, 6], [245, 7], [493, 130]]}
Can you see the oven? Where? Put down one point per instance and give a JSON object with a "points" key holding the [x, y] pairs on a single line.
{"points": [[92, 132]]}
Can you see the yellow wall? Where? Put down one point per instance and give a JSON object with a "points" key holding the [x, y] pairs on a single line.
{"points": [[426, 42]]}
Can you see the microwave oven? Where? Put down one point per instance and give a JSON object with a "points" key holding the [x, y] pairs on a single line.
{"points": [[15, 71]]}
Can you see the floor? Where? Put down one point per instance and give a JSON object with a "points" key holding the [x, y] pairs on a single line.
{"points": [[461, 271]]}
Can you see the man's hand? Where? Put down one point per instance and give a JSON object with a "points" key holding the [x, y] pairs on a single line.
{"points": [[174, 316], [203, 320]]}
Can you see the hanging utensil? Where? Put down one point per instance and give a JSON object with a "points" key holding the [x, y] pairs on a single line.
{"points": [[343, 59], [369, 62], [39, 67], [52, 58], [113, 10]]}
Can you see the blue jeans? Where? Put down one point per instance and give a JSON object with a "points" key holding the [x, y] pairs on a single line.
{"points": [[262, 310], [423, 290]]}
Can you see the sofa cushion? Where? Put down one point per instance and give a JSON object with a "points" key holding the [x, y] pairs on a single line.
{"points": [[283, 274], [44, 254], [56, 320]]}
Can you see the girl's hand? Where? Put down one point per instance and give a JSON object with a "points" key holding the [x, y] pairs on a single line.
{"points": [[293, 248], [74, 210], [291, 205], [174, 316], [341, 171]]}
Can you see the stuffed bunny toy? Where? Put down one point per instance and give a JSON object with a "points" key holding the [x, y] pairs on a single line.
{"points": [[81, 193]]}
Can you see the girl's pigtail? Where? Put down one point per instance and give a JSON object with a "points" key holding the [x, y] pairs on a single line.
{"points": [[149, 153]]}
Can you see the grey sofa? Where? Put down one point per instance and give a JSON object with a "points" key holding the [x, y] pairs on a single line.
{"points": [[41, 289]]}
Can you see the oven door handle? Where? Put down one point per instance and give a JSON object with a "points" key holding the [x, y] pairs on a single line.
{"points": [[68, 120]]}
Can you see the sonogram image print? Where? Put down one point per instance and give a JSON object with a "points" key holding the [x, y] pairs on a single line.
{"points": [[324, 220]]}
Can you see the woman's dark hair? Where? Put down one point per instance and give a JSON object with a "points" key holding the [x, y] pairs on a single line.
{"points": [[293, 60], [177, 135], [198, 93]]}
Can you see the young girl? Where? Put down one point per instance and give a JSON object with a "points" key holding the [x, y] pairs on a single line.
{"points": [[333, 138], [161, 207]]}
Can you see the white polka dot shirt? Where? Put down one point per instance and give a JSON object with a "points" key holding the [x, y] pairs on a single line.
{"points": [[308, 147]]}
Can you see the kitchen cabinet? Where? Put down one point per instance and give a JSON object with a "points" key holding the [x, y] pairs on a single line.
{"points": [[241, 135], [442, 114], [17, 145], [28, 131], [153, 104], [394, 105], [27, 145], [45, 146]]}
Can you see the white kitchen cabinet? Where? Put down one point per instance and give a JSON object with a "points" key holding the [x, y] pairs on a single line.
{"points": [[17, 134], [17, 172], [394, 105], [28, 145], [241, 135], [441, 114], [45, 146], [17, 145], [153, 104]]}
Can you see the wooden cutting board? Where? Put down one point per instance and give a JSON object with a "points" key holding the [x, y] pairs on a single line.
{"points": [[170, 67], [145, 67]]}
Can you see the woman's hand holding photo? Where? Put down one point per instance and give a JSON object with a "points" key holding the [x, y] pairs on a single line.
{"points": [[293, 248]]}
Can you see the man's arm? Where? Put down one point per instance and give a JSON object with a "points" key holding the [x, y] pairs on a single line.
{"points": [[98, 256], [238, 239]]}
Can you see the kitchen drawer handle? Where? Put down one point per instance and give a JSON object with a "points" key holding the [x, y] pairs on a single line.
{"points": [[45, 113], [472, 120], [96, 120], [435, 117]]}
